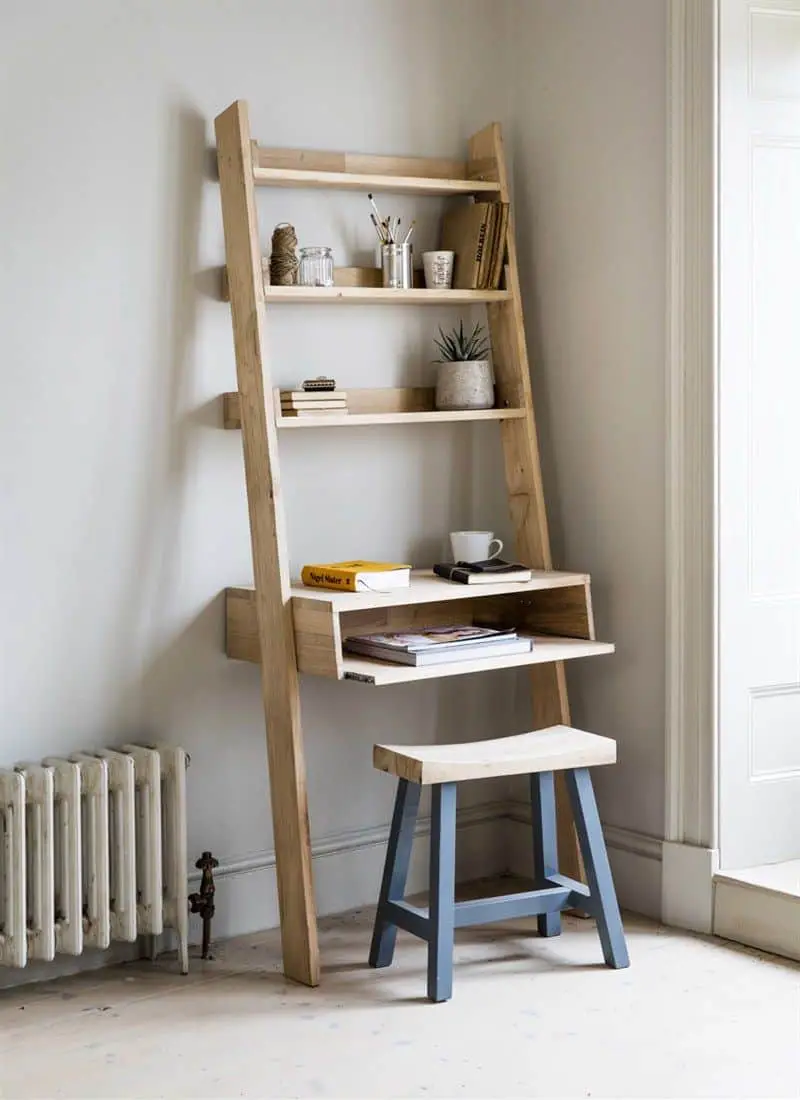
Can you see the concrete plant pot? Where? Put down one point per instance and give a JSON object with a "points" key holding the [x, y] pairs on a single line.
{"points": [[466, 384]]}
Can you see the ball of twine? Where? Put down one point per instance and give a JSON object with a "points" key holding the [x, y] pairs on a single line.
{"points": [[283, 262]]}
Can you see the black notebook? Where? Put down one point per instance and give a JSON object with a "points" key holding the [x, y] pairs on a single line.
{"points": [[483, 572]]}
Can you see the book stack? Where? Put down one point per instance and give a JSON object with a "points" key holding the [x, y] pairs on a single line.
{"points": [[313, 403], [476, 232], [436, 645]]}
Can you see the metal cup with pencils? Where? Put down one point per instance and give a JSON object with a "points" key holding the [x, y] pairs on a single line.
{"points": [[397, 264]]}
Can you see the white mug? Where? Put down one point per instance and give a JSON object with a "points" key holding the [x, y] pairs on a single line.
{"points": [[474, 545], [438, 269]]}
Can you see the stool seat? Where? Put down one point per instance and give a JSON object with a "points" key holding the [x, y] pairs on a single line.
{"points": [[556, 748]]}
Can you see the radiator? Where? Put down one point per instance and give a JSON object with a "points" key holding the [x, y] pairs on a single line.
{"points": [[93, 850]]}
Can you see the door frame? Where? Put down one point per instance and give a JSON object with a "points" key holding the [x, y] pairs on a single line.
{"points": [[691, 828]]}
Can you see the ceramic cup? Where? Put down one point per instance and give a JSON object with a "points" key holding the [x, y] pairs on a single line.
{"points": [[474, 545], [438, 269]]}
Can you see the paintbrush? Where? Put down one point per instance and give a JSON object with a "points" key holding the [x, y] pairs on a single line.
{"points": [[378, 228]]}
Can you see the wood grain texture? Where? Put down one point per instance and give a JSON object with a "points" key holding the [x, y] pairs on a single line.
{"points": [[279, 679], [426, 588], [363, 172], [321, 627], [562, 611], [546, 650], [522, 461], [342, 276], [317, 638], [379, 296], [357, 276], [241, 625], [326, 161], [545, 750]]}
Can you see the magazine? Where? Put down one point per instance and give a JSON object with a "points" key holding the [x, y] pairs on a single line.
{"points": [[454, 636]]}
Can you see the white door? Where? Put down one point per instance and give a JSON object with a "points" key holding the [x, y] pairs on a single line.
{"points": [[759, 432]]}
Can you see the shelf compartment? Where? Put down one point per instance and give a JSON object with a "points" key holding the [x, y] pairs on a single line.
{"points": [[358, 172], [554, 608], [545, 650], [409, 405], [363, 277], [384, 296]]}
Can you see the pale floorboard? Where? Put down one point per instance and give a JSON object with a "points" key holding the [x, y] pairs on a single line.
{"points": [[692, 1017]]}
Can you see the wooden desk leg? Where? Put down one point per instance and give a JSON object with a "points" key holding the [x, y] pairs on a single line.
{"points": [[279, 678]]}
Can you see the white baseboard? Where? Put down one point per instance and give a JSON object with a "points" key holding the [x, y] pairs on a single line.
{"points": [[493, 838], [347, 870], [635, 860], [755, 915], [687, 886]]}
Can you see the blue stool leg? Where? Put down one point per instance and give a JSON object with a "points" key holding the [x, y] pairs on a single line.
{"points": [[545, 843], [395, 870], [441, 905], [598, 871]]}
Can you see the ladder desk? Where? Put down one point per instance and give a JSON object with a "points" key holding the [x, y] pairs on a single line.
{"points": [[302, 629]]}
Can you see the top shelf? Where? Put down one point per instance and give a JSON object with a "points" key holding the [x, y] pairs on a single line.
{"points": [[351, 181], [357, 172]]}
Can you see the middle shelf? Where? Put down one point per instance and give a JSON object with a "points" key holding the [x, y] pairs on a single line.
{"points": [[553, 607], [403, 405]]}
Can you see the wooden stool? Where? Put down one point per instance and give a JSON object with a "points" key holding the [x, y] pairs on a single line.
{"points": [[540, 754]]}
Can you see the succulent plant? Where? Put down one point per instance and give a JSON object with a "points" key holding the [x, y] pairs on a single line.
{"points": [[456, 347]]}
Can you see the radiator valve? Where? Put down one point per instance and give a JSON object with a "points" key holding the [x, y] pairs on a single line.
{"points": [[202, 902]]}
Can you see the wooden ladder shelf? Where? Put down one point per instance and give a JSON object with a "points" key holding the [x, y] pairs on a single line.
{"points": [[302, 629]]}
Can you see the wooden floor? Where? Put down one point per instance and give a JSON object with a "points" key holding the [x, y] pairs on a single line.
{"points": [[692, 1017]]}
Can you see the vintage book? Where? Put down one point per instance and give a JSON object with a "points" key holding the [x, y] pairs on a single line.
{"points": [[485, 266], [499, 247], [464, 231], [357, 576], [304, 396], [465, 573], [436, 656], [313, 404]]}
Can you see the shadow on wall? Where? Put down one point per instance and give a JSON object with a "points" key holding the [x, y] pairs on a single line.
{"points": [[164, 484]]}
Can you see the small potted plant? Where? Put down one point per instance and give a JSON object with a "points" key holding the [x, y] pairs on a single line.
{"points": [[464, 379]]}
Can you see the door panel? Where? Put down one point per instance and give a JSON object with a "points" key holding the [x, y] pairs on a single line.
{"points": [[759, 431]]}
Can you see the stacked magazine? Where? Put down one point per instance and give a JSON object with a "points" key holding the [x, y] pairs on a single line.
{"points": [[433, 645]]}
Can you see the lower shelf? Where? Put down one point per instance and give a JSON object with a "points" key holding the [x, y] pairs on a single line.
{"points": [[545, 650]]}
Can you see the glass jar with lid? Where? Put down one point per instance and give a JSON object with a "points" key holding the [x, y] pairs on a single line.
{"points": [[316, 267]]}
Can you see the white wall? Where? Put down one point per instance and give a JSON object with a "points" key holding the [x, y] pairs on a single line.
{"points": [[587, 124], [123, 504]]}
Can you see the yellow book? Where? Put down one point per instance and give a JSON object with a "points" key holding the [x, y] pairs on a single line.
{"points": [[357, 576]]}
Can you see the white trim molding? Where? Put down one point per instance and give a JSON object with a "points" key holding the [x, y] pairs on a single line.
{"points": [[493, 838], [691, 736], [757, 914], [347, 869], [687, 886]]}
